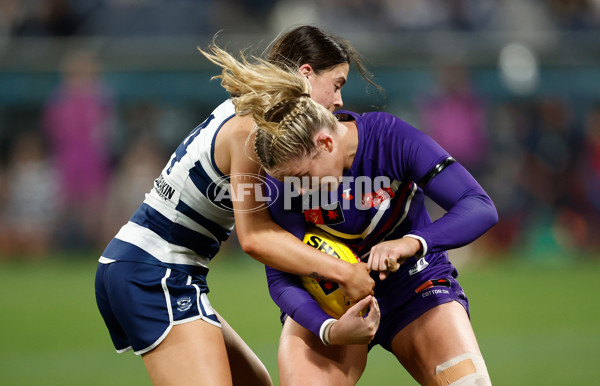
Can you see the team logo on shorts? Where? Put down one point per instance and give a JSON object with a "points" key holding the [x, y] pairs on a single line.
{"points": [[184, 304]]}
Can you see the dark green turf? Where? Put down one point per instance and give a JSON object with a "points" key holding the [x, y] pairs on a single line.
{"points": [[535, 327]]}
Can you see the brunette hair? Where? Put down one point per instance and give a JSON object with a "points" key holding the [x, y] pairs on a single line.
{"points": [[311, 45]]}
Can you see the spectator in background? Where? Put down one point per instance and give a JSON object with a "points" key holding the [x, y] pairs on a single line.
{"points": [[31, 198], [549, 179], [134, 175], [551, 143], [575, 14], [504, 174], [455, 116], [591, 157], [78, 120], [589, 175], [48, 18], [9, 14]]}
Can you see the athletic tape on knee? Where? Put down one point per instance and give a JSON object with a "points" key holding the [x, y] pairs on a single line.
{"points": [[464, 370]]}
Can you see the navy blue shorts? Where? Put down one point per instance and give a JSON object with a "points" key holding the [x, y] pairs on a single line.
{"points": [[418, 286], [140, 303]]}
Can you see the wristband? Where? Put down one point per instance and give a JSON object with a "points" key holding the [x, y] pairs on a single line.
{"points": [[324, 331]]}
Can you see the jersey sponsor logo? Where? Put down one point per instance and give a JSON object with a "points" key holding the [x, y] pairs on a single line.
{"points": [[163, 189], [435, 291], [256, 191], [420, 265], [347, 195]]}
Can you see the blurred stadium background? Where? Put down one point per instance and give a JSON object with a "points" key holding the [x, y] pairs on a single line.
{"points": [[96, 94]]}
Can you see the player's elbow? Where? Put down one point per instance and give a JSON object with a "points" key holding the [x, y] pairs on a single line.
{"points": [[494, 217], [484, 211], [250, 244], [491, 214]]}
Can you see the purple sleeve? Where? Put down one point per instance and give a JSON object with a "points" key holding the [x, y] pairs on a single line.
{"points": [[470, 211], [286, 289], [288, 293], [287, 218]]}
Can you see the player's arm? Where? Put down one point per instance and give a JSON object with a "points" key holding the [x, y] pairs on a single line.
{"points": [[470, 211], [352, 328], [267, 242]]}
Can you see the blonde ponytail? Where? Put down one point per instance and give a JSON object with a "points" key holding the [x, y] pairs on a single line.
{"points": [[278, 100]]}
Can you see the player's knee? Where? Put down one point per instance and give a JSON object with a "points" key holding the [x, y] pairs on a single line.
{"points": [[464, 370]]}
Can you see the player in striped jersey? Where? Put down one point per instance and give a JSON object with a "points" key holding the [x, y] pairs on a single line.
{"points": [[375, 170], [151, 284]]}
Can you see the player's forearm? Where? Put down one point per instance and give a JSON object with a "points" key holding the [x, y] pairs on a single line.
{"points": [[277, 248], [473, 217], [470, 214], [287, 292]]}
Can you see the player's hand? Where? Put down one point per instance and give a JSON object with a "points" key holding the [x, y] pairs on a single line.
{"points": [[386, 257], [358, 283], [352, 328]]}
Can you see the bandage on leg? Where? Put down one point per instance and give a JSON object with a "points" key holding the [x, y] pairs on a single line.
{"points": [[464, 370]]}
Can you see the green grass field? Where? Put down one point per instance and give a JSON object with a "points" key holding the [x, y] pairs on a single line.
{"points": [[535, 327]]}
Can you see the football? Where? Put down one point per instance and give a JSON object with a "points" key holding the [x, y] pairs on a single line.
{"points": [[327, 293]]}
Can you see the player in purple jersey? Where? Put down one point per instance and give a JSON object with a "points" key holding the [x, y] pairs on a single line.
{"points": [[363, 178], [151, 285]]}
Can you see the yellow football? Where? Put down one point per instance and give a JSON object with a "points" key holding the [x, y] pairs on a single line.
{"points": [[327, 293]]}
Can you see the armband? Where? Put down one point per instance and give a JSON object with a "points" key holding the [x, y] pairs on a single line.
{"points": [[437, 169]]}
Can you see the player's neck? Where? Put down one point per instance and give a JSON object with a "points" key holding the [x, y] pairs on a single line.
{"points": [[350, 141]]}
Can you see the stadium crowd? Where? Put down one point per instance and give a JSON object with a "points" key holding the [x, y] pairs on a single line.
{"points": [[177, 17], [75, 167]]}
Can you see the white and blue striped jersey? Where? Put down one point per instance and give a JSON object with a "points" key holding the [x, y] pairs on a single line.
{"points": [[180, 225]]}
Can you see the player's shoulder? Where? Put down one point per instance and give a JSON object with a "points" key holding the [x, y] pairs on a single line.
{"points": [[369, 119], [237, 130], [379, 126], [234, 139], [389, 126]]}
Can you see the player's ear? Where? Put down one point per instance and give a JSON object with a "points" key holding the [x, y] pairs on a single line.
{"points": [[324, 141], [305, 70]]}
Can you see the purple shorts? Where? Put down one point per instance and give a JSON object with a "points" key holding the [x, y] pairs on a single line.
{"points": [[418, 286]]}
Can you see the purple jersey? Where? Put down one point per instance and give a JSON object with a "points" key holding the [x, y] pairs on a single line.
{"points": [[381, 197]]}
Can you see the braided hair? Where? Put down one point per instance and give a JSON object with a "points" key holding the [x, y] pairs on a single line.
{"points": [[278, 100]]}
